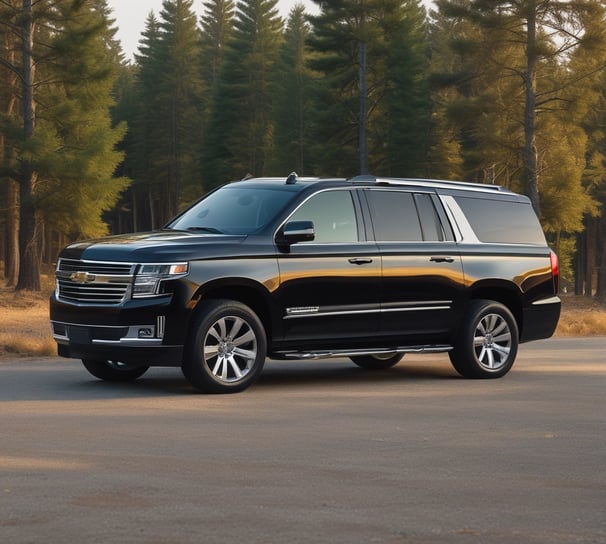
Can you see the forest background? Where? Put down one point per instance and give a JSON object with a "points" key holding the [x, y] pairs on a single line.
{"points": [[510, 93]]}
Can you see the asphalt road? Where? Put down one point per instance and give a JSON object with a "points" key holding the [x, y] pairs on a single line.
{"points": [[314, 452]]}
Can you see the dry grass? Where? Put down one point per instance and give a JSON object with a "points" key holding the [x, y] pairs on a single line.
{"points": [[581, 316], [24, 325], [25, 329]]}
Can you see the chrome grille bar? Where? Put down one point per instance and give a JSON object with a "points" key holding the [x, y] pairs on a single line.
{"points": [[92, 282]]}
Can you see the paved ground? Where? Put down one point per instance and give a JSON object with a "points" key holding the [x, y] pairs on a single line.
{"points": [[315, 452]]}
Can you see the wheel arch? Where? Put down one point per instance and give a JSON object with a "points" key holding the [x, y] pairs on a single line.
{"points": [[505, 293], [248, 292]]}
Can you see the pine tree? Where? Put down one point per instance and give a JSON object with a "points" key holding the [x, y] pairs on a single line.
{"points": [[217, 29], [168, 127], [240, 134], [180, 92], [9, 187], [146, 129], [407, 108], [547, 33], [79, 185], [293, 99], [63, 60], [372, 106]]}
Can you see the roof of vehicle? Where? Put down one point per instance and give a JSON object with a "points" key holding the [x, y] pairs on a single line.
{"points": [[370, 180]]}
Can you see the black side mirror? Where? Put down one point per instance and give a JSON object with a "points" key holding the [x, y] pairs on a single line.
{"points": [[296, 231]]}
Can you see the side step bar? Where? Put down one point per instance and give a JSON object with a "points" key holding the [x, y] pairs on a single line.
{"points": [[321, 354]]}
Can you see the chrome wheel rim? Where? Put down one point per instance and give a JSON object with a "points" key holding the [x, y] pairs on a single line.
{"points": [[230, 349], [383, 356], [492, 342], [119, 366]]}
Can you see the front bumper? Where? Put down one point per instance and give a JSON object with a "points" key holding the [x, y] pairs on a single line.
{"points": [[146, 331]]}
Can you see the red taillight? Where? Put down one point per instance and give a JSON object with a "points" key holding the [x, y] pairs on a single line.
{"points": [[555, 271]]}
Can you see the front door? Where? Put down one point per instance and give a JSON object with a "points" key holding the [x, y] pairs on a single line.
{"points": [[329, 287]]}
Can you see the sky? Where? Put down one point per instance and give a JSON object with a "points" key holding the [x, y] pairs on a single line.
{"points": [[130, 17]]}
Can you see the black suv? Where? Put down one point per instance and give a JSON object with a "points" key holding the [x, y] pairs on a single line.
{"points": [[366, 268]]}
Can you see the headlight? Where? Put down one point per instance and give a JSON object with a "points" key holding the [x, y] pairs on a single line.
{"points": [[149, 277]]}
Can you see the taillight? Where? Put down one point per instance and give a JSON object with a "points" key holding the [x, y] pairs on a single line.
{"points": [[555, 271]]}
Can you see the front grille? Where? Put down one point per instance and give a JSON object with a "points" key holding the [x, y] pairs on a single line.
{"points": [[89, 282]]}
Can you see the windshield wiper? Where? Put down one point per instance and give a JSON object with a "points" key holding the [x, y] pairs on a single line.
{"points": [[212, 230]]}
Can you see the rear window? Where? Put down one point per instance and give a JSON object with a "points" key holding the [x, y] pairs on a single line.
{"points": [[502, 221]]}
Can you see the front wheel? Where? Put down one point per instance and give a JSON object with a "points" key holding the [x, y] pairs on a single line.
{"points": [[377, 362], [113, 371], [226, 349], [487, 344]]}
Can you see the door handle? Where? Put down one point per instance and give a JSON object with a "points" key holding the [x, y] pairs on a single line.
{"points": [[441, 259], [360, 260]]}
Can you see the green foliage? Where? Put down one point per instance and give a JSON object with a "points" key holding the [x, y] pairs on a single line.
{"points": [[77, 182], [167, 122], [396, 124], [292, 100], [240, 134], [73, 144], [239, 94]]}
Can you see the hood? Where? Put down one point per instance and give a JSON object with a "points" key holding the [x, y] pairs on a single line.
{"points": [[161, 246]]}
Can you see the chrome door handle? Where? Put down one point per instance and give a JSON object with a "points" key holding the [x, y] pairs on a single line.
{"points": [[442, 259]]}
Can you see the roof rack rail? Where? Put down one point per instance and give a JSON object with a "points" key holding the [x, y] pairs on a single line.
{"points": [[425, 182]]}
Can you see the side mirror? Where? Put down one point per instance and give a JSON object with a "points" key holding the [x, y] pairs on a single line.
{"points": [[297, 231]]}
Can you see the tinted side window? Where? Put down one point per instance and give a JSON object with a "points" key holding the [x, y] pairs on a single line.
{"points": [[502, 221], [394, 216], [430, 222], [333, 215]]}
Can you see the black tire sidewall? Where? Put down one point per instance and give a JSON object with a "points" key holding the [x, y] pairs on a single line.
{"points": [[194, 366], [463, 355], [104, 370], [370, 362]]}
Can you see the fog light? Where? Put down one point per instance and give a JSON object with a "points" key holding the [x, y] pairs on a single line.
{"points": [[145, 333]]}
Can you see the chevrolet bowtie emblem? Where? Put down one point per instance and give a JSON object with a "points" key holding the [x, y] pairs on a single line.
{"points": [[82, 277]]}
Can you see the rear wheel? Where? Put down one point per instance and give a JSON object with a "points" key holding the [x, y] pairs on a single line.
{"points": [[113, 371], [487, 343], [227, 348], [377, 362]]}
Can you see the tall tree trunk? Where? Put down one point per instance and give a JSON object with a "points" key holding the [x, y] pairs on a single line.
{"points": [[601, 290], [530, 83], [579, 272], [11, 249], [590, 254], [11, 226], [363, 111], [29, 270]]}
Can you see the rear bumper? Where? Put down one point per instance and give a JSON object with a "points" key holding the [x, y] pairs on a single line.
{"points": [[540, 319]]}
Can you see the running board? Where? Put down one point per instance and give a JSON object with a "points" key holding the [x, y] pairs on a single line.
{"points": [[321, 354]]}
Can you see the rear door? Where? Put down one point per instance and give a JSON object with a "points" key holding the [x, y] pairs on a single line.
{"points": [[422, 277]]}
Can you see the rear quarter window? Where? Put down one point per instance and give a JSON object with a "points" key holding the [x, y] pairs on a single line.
{"points": [[502, 221]]}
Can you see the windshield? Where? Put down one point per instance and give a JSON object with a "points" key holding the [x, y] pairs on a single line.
{"points": [[234, 210]]}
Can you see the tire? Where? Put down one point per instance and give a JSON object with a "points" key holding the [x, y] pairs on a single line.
{"points": [[226, 349], [377, 362], [113, 371], [487, 343]]}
